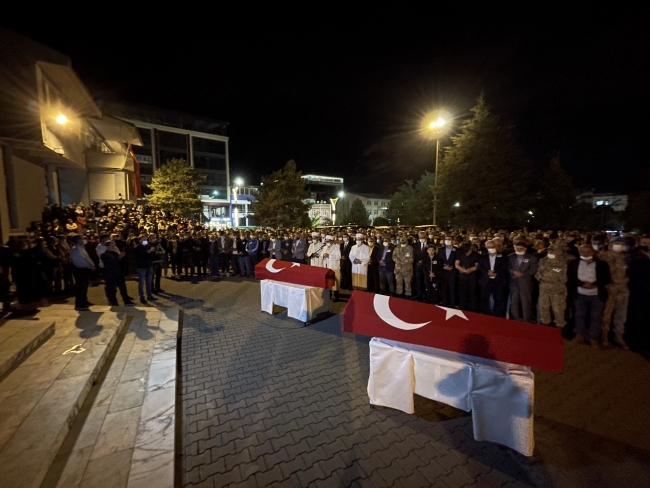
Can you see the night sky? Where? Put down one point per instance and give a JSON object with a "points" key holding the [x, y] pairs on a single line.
{"points": [[346, 98]]}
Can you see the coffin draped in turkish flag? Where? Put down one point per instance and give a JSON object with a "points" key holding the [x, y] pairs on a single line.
{"points": [[469, 333], [298, 274]]}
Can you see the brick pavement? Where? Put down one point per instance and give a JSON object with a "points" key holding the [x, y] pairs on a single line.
{"points": [[267, 402]]}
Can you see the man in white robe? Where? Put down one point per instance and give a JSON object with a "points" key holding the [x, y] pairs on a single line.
{"points": [[360, 256], [315, 251], [332, 260]]}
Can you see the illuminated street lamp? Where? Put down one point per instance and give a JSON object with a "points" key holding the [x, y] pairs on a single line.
{"points": [[436, 128], [61, 119]]}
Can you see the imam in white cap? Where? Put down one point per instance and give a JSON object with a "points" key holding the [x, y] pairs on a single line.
{"points": [[359, 236], [328, 238]]}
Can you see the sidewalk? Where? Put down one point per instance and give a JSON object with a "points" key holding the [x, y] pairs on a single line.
{"points": [[267, 401]]}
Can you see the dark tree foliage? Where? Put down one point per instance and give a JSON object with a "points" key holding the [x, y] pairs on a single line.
{"points": [[412, 203], [486, 173], [556, 206], [280, 200]]}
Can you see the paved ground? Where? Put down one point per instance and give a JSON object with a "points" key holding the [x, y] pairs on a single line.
{"points": [[268, 402]]}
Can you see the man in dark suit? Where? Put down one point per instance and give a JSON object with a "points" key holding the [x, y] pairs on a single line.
{"points": [[376, 252], [493, 280], [299, 248], [432, 268], [387, 267], [419, 253], [286, 246], [447, 256], [346, 264], [223, 249], [587, 280], [522, 267]]}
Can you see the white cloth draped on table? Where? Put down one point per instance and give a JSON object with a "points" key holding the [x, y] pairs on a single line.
{"points": [[499, 395], [302, 302]]}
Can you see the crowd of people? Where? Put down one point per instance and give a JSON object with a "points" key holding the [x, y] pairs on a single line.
{"points": [[597, 283]]}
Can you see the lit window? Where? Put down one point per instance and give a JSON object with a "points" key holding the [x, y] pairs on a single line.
{"points": [[599, 202]]}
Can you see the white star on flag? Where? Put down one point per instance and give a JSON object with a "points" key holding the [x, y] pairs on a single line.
{"points": [[295, 264], [451, 312]]}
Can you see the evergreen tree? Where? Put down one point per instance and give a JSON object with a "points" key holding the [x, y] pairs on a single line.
{"points": [[485, 172], [412, 203], [556, 204], [357, 214], [280, 200], [175, 187]]}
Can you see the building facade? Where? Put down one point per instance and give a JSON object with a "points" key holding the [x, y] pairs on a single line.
{"points": [[202, 142], [617, 202], [375, 204], [56, 145], [324, 194]]}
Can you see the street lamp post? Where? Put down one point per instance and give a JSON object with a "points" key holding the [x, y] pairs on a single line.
{"points": [[333, 201], [436, 126]]}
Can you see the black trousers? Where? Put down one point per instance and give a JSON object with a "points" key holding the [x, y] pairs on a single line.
{"points": [[373, 279], [420, 279], [500, 296], [156, 275], [224, 263], [431, 292], [113, 283], [82, 281], [468, 292], [448, 288]]}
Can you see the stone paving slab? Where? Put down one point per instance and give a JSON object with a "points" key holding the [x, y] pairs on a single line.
{"points": [[41, 398], [268, 402], [126, 427], [18, 339]]}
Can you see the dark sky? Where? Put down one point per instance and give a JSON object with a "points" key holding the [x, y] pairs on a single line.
{"points": [[345, 98]]}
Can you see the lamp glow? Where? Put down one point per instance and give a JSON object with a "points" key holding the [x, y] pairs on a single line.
{"points": [[437, 123], [239, 181], [61, 119]]}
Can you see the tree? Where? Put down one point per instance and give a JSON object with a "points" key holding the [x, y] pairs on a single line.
{"points": [[175, 187], [485, 173], [380, 221], [412, 203], [357, 215], [557, 205], [280, 200]]}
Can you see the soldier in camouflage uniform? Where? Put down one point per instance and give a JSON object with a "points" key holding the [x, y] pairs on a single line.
{"points": [[403, 257], [618, 291], [552, 277]]}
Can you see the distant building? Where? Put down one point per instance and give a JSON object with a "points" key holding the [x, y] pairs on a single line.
{"points": [[324, 193], [617, 202], [167, 134], [56, 145], [375, 204]]}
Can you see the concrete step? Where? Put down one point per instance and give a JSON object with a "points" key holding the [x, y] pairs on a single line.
{"points": [[125, 432], [18, 339], [40, 399]]}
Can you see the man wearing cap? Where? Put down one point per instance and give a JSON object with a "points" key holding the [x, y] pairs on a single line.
{"points": [[314, 253], [403, 257], [359, 257], [332, 260], [618, 291], [552, 277], [523, 267]]}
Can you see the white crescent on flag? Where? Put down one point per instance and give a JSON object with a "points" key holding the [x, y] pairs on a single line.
{"points": [[270, 268], [382, 307]]}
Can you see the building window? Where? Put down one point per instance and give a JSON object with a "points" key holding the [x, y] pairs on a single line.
{"points": [[376, 203], [368, 203], [383, 203], [376, 212]]}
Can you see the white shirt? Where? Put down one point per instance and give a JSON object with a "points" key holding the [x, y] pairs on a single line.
{"points": [[587, 273]]}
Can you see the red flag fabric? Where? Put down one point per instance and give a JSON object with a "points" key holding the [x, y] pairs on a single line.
{"points": [[296, 273], [470, 333]]}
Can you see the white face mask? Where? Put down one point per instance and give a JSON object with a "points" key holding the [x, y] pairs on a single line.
{"points": [[447, 243], [520, 253], [618, 247], [310, 241], [491, 250], [423, 241], [403, 245], [345, 239], [596, 247], [586, 258], [386, 244], [359, 241], [551, 256]]}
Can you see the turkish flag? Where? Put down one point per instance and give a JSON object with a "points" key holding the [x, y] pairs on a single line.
{"points": [[296, 273], [469, 333]]}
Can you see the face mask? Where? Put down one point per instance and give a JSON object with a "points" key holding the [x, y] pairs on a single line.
{"points": [[520, 253], [447, 243], [84, 242], [596, 247], [310, 241], [386, 244], [586, 258], [359, 241], [423, 241], [618, 247], [551, 256], [345, 239], [403, 245], [491, 250]]}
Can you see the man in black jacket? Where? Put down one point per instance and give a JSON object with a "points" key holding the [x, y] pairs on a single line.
{"points": [[493, 280], [419, 253], [387, 268], [432, 268], [447, 256], [373, 265], [113, 275], [346, 264], [143, 253], [587, 282]]}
